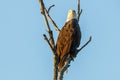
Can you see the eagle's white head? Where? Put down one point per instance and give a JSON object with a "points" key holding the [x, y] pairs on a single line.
{"points": [[71, 15]]}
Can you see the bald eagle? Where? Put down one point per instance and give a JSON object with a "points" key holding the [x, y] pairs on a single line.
{"points": [[68, 39]]}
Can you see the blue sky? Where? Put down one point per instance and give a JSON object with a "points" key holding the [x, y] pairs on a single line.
{"points": [[24, 55]]}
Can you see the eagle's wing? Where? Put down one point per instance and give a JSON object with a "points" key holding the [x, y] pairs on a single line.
{"points": [[64, 41], [67, 42]]}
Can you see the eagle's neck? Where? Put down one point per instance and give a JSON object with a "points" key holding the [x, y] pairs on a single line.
{"points": [[71, 15], [68, 19]]}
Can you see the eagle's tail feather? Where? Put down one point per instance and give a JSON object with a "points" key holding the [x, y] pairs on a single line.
{"points": [[62, 63]]}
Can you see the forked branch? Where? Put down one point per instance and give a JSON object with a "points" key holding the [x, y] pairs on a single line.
{"points": [[51, 20], [49, 40], [44, 10]]}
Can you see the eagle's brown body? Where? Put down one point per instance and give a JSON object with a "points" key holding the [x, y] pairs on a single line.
{"points": [[68, 41]]}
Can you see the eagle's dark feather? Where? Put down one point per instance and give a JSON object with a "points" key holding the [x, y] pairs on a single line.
{"points": [[68, 41]]}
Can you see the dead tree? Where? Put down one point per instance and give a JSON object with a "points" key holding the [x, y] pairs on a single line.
{"points": [[50, 39]]}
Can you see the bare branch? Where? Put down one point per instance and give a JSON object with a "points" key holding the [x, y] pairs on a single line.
{"points": [[41, 6], [45, 37], [78, 6], [50, 7], [50, 41], [84, 44], [56, 59], [43, 9], [79, 11], [51, 20]]}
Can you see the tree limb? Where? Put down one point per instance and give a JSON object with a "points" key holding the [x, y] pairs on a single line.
{"points": [[43, 9], [84, 44], [51, 20], [56, 59], [79, 11], [50, 41], [45, 37], [50, 8]]}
